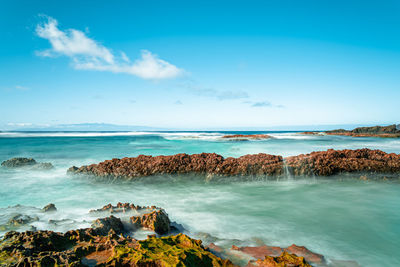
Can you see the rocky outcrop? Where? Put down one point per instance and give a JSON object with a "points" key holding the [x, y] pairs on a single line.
{"points": [[331, 162], [156, 221], [25, 162], [391, 131], [322, 163], [87, 247], [109, 243], [209, 164], [284, 260], [246, 137]]}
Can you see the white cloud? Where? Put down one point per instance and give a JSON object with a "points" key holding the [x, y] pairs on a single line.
{"points": [[88, 54]]}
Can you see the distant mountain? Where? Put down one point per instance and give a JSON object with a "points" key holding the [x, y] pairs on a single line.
{"points": [[86, 127]]}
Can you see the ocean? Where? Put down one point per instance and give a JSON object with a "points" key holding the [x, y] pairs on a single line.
{"points": [[345, 219]]}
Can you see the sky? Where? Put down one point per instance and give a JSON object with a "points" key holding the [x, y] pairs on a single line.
{"points": [[199, 64]]}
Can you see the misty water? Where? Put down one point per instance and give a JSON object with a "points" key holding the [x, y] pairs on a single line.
{"points": [[347, 219]]}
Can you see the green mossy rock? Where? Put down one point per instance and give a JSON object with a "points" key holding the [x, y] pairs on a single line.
{"points": [[178, 250]]}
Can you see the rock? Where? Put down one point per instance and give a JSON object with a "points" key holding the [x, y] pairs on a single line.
{"points": [[157, 221], [104, 225], [49, 208], [285, 259], [261, 252], [208, 164], [123, 208], [72, 169], [18, 162], [86, 246], [246, 137], [322, 163], [391, 131], [214, 248], [310, 256], [178, 250], [20, 219], [326, 163], [43, 166], [26, 162]]}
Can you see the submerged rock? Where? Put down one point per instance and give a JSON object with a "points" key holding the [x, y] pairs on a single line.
{"points": [[21, 219], [43, 166], [49, 208], [26, 162]]}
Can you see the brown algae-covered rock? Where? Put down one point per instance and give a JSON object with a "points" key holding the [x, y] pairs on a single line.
{"points": [[321, 163]]}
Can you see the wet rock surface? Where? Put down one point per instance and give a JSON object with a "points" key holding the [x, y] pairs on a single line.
{"points": [[261, 252], [26, 162], [323, 163], [103, 226], [157, 221]]}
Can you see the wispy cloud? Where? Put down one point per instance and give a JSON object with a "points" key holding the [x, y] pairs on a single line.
{"points": [[178, 102], [263, 104], [88, 54], [196, 89]]}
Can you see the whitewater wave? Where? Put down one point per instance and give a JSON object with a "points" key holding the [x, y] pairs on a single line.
{"points": [[72, 134], [296, 136], [214, 136]]}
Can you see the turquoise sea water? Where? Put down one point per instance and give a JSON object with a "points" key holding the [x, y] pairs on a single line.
{"points": [[346, 220]]}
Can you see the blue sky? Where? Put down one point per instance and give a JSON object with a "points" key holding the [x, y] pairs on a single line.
{"points": [[199, 64]]}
